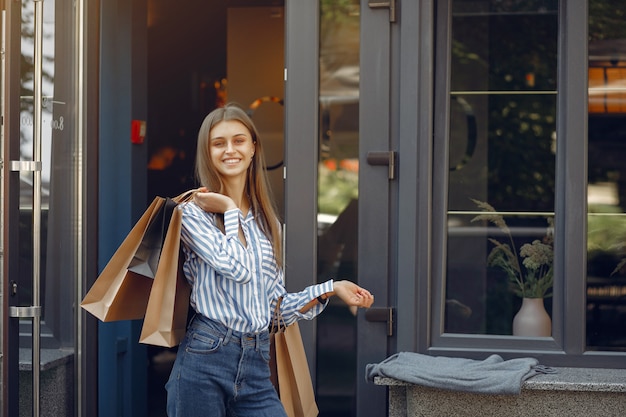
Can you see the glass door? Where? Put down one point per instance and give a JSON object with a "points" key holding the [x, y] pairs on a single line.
{"points": [[41, 201], [355, 170], [337, 143]]}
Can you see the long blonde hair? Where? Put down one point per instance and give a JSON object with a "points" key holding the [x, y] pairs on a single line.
{"points": [[257, 184]]}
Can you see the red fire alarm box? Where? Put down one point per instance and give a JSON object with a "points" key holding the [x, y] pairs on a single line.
{"points": [[137, 131]]}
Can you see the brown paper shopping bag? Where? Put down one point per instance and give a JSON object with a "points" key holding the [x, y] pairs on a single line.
{"points": [[117, 293], [294, 379], [121, 291], [166, 314]]}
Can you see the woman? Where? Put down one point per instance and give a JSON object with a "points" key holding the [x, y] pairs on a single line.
{"points": [[232, 244]]}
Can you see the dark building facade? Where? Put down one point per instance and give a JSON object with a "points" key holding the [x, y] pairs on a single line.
{"points": [[459, 158]]}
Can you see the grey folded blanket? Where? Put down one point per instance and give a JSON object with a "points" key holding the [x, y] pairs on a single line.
{"points": [[490, 376]]}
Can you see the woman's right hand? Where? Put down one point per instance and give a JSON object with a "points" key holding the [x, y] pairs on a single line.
{"points": [[213, 202], [352, 294]]}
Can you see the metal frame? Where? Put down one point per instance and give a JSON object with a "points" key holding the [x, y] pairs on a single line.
{"points": [[301, 138], [376, 201], [440, 343], [455, 344], [571, 199], [83, 264], [10, 195], [85, 329], [3, 38], [414, 215]]}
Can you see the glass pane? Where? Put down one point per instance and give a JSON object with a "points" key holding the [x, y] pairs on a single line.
{"points": [[606, 191], [337, 200], [59, 159], [502, 144]]}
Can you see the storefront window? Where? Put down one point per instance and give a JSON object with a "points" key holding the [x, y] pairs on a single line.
{"points": [[502, 159], [606, 190]]}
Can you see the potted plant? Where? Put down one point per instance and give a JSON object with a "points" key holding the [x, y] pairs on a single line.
{"points": [[530, 272]]}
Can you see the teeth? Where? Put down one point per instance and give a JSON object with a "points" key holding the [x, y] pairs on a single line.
{"points": [[231, 161]]}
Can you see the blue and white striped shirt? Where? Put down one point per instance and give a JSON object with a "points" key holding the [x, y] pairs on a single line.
{"points": [[236, 285]]}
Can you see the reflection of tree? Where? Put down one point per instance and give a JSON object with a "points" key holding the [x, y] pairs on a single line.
{"points": [[337, 188], [607, 38], [339, 49], [516, 53], [521, 157], [606, 20], [606, 147], [339, 35], [521, 161], [27, 64], [27, 61], [504, 54]]}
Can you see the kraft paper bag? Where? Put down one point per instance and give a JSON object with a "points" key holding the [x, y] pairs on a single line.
{"points": [[166, 313], [120, 292], [294, 379], [117, 293]]}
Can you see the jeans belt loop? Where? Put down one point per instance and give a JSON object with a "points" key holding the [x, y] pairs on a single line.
{"points": [[229, 334]]}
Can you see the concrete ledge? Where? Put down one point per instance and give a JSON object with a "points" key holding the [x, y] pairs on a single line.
{"points": [[56, 383], [570, 392]]}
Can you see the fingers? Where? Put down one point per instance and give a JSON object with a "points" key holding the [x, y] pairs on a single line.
{"points": [[365, 300], [364, 292], [353, 295]]}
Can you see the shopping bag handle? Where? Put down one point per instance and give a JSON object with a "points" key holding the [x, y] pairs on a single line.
{"points": [[186, 196], [278, 322]]}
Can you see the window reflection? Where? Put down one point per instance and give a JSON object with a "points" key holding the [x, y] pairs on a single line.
{"points": [[338, 171], [501, 150], [606, 223], [58, 175]]}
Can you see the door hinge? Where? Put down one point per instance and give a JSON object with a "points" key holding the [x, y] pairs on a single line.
{"points": [[384, 315], [384, 158], [390, 4]]}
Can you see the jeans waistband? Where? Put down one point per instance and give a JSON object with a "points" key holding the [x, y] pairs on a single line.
{"points": [[229, 335]]}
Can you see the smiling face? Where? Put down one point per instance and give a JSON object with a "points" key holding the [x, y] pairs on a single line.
{"points": [[231, 149]]}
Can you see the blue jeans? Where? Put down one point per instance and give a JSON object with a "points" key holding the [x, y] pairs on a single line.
{"points": [[219, 372]]}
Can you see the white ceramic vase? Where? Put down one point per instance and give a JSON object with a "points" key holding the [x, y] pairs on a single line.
{"points": [[532, 319]]}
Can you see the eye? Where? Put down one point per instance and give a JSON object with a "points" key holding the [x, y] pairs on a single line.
{"points": [[217, 143]]}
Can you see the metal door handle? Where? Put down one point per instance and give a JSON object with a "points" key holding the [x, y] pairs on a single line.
{"points": [[383, 315], [384, 158]]}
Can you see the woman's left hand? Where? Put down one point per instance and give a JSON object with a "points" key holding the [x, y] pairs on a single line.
{"points": [[352, 294]]}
